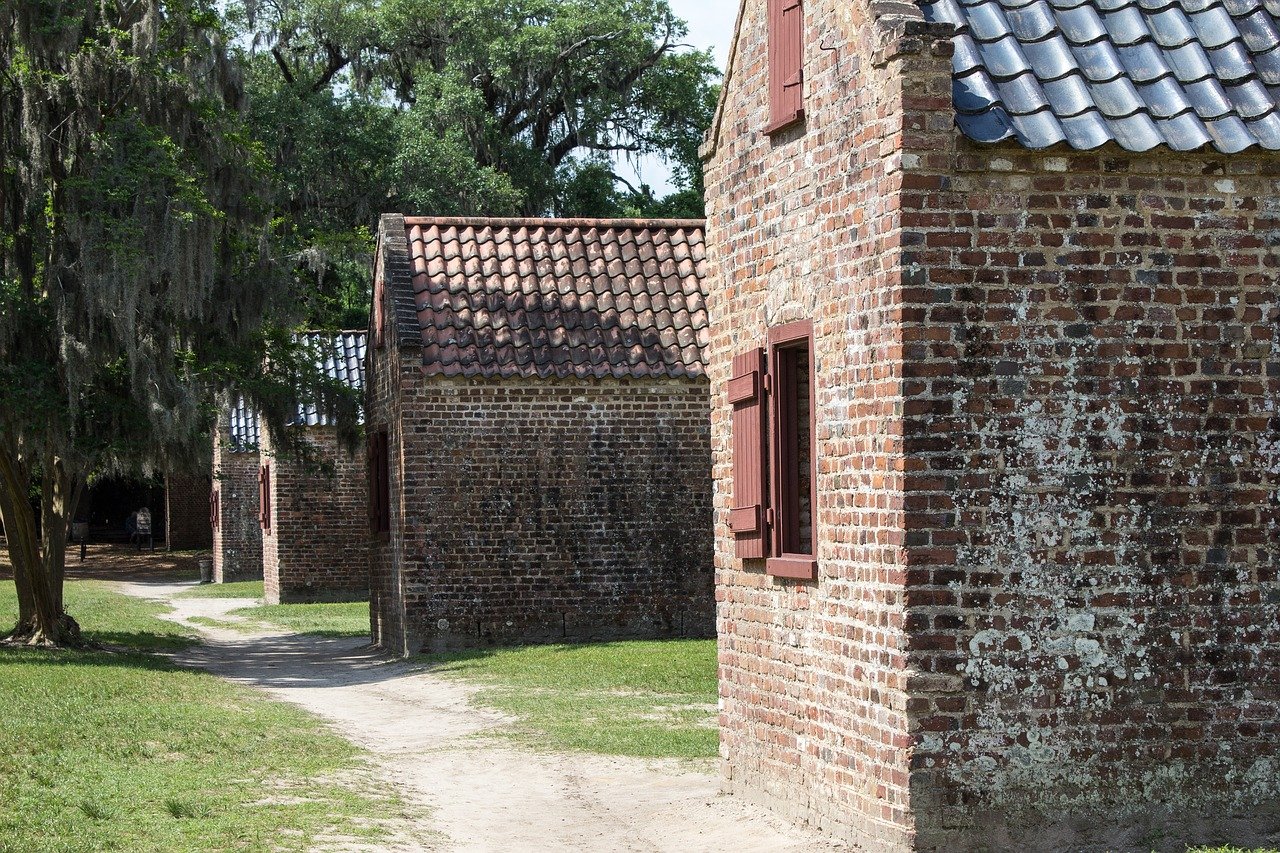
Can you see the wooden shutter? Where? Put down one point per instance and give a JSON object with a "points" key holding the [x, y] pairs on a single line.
{"points": [[264, 496], [379, 483], [379, 312], [747, 396], [786, 63], [215, 508]]}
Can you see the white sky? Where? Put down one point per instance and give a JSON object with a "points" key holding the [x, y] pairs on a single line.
{"points": [[710, 25]]}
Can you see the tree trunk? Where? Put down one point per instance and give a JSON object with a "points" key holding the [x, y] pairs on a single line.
{"points": [[38, 576]]}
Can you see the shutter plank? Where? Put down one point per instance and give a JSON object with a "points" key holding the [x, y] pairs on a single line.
{"points": [[746, 516]]}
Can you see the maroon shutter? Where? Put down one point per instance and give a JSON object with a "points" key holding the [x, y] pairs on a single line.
{"points": [[786, 63], [746, 395], [370, 456], [264, 496], [379, 312], [379, 484], [384, 486], [215, 513]]}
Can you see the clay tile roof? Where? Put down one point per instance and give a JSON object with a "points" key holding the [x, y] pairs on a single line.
{"points": [[560, 298], [1142, 73]]}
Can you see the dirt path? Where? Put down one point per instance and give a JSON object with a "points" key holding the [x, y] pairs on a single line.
{"points": [[477, 793]]}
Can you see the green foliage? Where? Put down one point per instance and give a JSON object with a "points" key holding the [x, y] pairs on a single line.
{"points": [[125, 751], [467, 107], [653, 699]]}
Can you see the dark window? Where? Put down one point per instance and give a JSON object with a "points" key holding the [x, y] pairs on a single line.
{"points": [[264, 496], [791, 445], [379, 484], [786, 64]]}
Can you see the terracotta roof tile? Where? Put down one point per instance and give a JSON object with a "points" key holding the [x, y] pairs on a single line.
{"points": [[559, 297]]}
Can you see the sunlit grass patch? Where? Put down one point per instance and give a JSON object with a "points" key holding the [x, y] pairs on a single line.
{"points": [[639, 698], [120, 749], [329, 619], [236, 589]]}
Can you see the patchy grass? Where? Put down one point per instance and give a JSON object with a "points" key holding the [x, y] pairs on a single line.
{"points": [[1228, 849], [640, 698], [237, 589], [123, 750], [330, 619]]}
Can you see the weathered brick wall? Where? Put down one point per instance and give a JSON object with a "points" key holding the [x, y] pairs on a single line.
{"points": [[1093, 494], [392, 379], [315, 549], [1047, 611], [187, 524], [805, 225], [543, 510], [237, 541]]}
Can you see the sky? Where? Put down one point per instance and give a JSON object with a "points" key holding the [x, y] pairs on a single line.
{"points": [[710, 25]]}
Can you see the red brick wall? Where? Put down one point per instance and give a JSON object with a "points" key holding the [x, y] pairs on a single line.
{"points": [[237, 541], [805, 225], [187, 524], [540, 510], [315, 549], [1049, 470], [1092, 497]]}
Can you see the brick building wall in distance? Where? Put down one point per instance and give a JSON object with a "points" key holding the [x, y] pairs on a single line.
{"points": [[187, 524], [237, 538], [315, 547], [1046, 612], [543, 511]]}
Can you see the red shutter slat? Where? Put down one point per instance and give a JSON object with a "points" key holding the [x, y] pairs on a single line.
{"points": [[786, 63], [746, 518], [264, 497]]}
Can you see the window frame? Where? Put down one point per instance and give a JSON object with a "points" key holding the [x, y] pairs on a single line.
{"points": [[784, 510]]}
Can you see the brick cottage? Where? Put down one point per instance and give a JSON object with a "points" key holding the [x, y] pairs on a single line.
{"points": [[301, 526], [994, 369], [538, 424]]}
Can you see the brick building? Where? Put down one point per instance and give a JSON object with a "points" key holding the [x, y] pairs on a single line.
{"points": [[315, 522], [300, 525], [538, 422], [994, 371], [234, 510]]}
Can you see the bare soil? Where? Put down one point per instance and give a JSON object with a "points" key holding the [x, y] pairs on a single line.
{"points": [[469, 792]]}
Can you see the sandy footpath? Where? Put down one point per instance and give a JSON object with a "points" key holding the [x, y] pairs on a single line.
{"points": [[474, 794]]}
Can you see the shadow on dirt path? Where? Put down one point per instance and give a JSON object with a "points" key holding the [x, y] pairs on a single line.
{"points": [[476, 793]]}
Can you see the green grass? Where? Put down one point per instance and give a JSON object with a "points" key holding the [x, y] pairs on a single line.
{"points": [[331, 619], [651, 699], [237, 589], [124, 750], [1227, 849]]}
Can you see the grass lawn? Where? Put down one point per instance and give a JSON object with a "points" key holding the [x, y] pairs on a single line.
{"points": [[238, 589], [123, 750], [337, 619], [641, 698]]}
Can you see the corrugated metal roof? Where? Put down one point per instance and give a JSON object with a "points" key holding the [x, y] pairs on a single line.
{"points": [[340, 356], [1141, 73], [242, 423], [559, 298]]}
